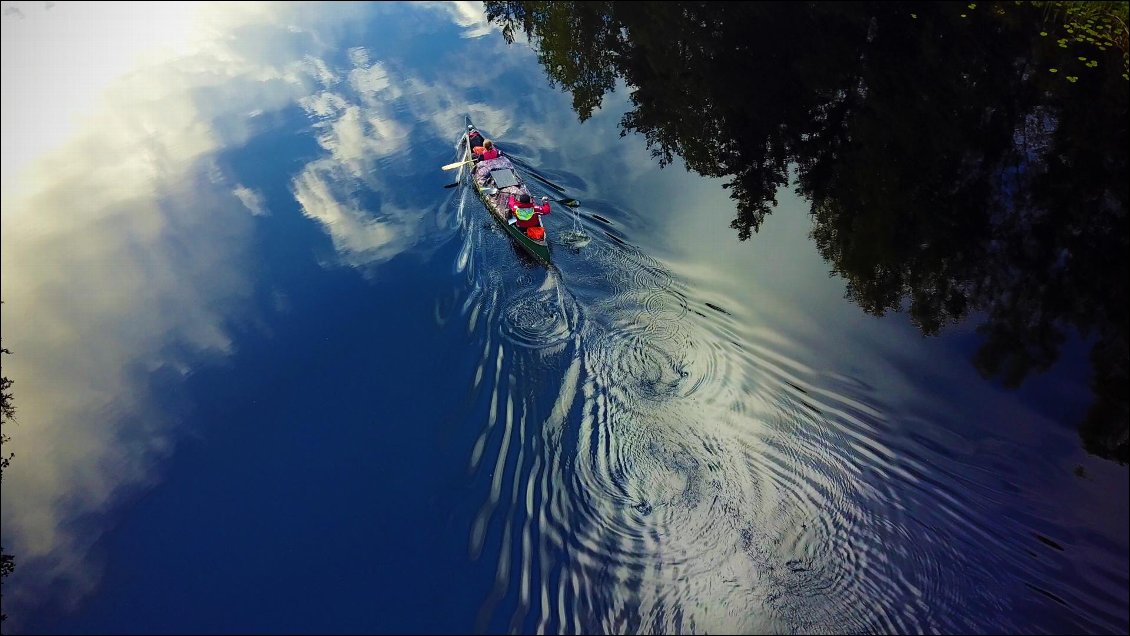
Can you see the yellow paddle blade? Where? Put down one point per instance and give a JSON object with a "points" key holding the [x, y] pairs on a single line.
{"points": [[452, 166]]}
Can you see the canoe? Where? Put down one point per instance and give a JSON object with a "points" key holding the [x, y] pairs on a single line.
{"points": [[501, 173]]}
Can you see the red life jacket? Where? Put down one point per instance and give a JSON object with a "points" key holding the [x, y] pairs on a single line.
{"points": [[491, 154]]}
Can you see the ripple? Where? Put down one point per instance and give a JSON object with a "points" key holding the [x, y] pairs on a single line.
{"points": [[664, 305], [637, 366], [574, 239], [544, 319], [646, 500], [699, 472]]}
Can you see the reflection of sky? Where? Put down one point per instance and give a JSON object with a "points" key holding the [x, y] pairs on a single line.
{"points": [[127, 248], [777, 279], [119, 240], [133, 251], [924, 388], [777, 286]]}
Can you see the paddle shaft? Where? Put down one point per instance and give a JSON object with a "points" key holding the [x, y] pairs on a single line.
{"points": [[452, 166], [533, 173]]}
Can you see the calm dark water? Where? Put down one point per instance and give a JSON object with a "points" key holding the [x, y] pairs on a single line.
{"points": [[274, 377]]}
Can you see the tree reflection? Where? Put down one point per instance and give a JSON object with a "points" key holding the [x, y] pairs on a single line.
{"points": [[950, 171]]}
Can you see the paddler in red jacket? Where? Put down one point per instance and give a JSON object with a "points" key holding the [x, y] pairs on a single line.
{"points": [[525, 212], [489, 151]]}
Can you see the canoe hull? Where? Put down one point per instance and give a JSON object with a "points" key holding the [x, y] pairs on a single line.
{"points": [[537, 249]]}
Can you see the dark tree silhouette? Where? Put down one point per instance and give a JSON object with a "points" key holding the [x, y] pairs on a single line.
{"points": [[951, 172], [7, 414]]}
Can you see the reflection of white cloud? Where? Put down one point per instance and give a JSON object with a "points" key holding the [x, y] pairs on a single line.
{"points": [[98, 283], [73, 52], [365, 126], [123, 241], [468, 15], [123, 252], [321, 71], [371, 80], [359, 56], [251, 199], [360, 135], [357, 235], [357, 136], [323, 104]]}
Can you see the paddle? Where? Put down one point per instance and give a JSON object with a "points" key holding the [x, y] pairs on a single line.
{"points": [[535, 174], [452, 166], [572, 203]]}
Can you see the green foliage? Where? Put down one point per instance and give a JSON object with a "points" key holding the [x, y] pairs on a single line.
{"points": [[950, 173], [7, 566], [7, 414], [1092, 25]]}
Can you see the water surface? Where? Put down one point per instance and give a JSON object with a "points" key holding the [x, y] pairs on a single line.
{"points": [[272, 376]]}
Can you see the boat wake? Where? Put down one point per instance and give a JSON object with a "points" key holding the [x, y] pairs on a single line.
{"points": [[652, 462], [575, 240], [544, 319]]}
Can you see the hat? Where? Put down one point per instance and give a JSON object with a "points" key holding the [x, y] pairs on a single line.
{"points": [[470, 127], [524, 198]]}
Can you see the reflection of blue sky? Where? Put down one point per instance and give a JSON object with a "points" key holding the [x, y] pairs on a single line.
{"points": [[127, 248], [777, 280], [884, 388], [369, 114], [133, 223]]}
